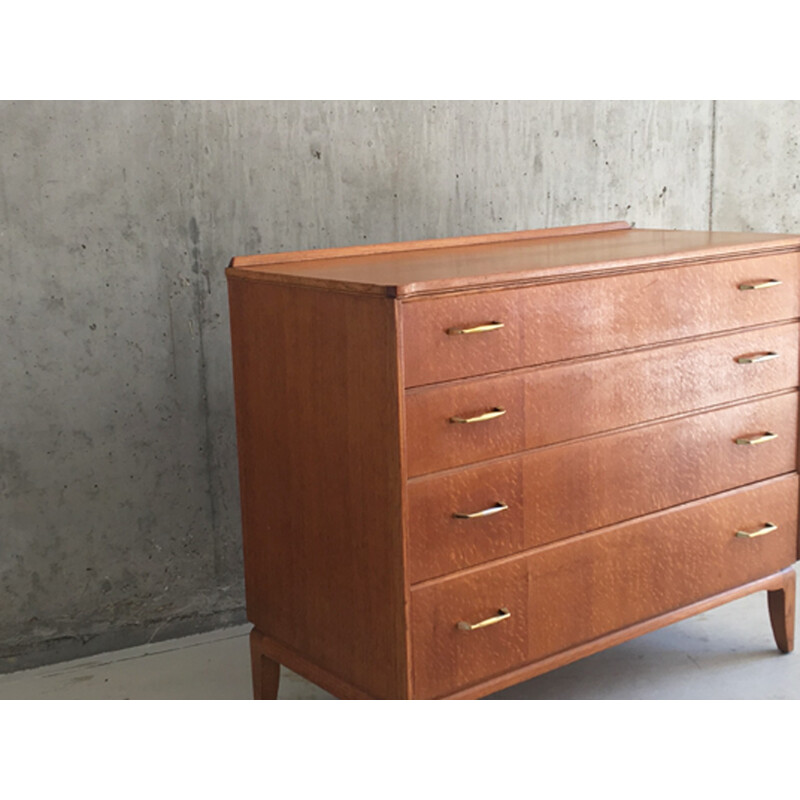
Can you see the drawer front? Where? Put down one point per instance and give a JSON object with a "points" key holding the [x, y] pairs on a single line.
{"points": [[558, 492], [562, 402], [576, 591], [442, 538], [559, 321], [444, 656], [645, 568]]}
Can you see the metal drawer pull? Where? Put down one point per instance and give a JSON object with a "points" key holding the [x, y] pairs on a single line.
{"points": [[764, 437], [763, 285], [502, 614], [768, 528], [493, 414], [487, 512], [489, 326], [757, 358]]}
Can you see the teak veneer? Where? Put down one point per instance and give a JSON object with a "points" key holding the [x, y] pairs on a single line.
{"points": [[465, 462]]}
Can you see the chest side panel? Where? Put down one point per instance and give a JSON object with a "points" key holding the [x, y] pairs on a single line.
{"points": [[317, 404]]}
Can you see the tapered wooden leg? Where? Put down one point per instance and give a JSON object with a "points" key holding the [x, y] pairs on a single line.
{"points": [[266, 672], [781, 612]]}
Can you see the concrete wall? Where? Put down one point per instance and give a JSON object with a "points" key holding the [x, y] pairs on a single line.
{"points": [[119, 518]]}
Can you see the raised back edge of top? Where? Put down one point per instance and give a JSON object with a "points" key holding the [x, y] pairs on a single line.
{"points": [[423, 244]]}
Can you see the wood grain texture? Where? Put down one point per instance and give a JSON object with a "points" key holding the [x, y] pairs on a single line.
{"points": [[581, 590], [317, 406], [585, 589], [439, 543], [616, 368], [572, 654], [328, 254], [558, 492], [279, 653], [566, 320], [266, 672], [781, 602], [406, 273], [445, 657], [555, 404]]}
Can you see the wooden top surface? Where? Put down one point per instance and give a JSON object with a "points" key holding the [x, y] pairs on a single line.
{"points": [[405, 269]]}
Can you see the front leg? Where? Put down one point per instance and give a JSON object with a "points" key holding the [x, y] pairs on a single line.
{"points": [[781, 611], [266, 672]]}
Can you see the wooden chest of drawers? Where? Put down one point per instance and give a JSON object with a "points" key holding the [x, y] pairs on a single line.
{"points": [[465, 462]]}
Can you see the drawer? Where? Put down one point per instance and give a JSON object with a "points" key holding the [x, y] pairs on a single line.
{"points": [[443, 655], [572, 592], [466, 517], [557, 321], [521, 502], [547, 405]]}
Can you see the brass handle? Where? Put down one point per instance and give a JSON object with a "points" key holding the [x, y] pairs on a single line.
{"points": [[764, 437], [762, 285], [502, 614], [493, 414], [757, 358], [489, 326], [768, 528], [487, 512]]}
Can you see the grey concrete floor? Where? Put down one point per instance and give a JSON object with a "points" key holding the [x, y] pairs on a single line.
{"points": [[727, 653]]}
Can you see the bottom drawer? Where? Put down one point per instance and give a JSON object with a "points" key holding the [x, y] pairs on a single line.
{"points": [[567, 593]]}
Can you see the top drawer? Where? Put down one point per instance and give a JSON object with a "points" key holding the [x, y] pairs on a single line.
{"points": [[479, 333]]}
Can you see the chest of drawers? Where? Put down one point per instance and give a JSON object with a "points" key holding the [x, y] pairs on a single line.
{"points": [[465, 462]]}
